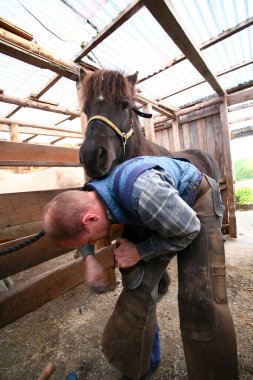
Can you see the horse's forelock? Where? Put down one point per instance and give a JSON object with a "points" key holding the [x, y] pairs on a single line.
{"points": [[112, 85]]}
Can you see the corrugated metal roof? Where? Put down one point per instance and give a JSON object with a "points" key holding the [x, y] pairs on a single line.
{"points": [[140, 44]]}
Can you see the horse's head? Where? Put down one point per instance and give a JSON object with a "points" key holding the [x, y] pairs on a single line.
{"points": [[107, 99]]}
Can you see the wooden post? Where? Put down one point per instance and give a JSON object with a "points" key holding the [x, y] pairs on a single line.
{"points": [[14, 133], [175, 132], [149, 125], [14, 136], [228, 169]]}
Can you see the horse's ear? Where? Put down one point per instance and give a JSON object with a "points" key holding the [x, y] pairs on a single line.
{"points": [[133, 78]]}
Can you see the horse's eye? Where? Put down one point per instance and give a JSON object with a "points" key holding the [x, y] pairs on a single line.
{"points": [[124, 105]]}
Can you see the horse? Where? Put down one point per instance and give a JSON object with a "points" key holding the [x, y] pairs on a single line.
{"points": [[113, 133]]}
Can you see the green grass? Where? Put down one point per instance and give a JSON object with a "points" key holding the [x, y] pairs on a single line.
{"points": [[243, 169], [244, 195]]}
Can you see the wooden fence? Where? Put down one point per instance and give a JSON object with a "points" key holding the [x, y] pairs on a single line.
{"points": [[23, 211]]}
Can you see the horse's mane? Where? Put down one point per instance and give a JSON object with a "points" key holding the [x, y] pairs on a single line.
{"points": [[113, 85]]}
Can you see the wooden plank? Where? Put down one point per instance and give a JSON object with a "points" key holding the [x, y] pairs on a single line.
{"points": [[26, 207], [165, 13], [43, 132], [243, 92], [38, 252], [229, 170], [210, 136], [167, 110], [194, 135], [149, 124], [50, 128], [203, 112], [45, 287], [175, 132], [7, 25], [201, 133], [17, 232], [218, 137], [38, 105], [36, 55], [187, 110], [16, 154], [187, 144]]}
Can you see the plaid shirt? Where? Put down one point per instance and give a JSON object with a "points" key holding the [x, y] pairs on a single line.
{"points": [[173, 222]]}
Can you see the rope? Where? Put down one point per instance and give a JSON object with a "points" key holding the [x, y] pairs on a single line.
{"points": [[23, 244]]}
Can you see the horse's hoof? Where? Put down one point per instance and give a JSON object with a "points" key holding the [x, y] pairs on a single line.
{"points": [[100, 288], [131, 278]]}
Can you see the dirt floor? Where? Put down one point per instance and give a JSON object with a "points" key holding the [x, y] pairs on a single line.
{"points": [[60, 333]]}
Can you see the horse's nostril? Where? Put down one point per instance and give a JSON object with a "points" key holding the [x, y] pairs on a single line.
{"points": [[101, 154]]}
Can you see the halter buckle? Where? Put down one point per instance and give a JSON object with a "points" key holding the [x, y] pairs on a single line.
{"points": [[124, 140]]}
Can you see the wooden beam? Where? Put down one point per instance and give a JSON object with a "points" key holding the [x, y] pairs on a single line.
{"points": [[242, 132], [41, 132], [175, 131], [38, 252], [38, 105], [19, 231], [24, 207], [228, 169], [14, 132], [240, 97], [45, 287], [227, 33], [166, 15], [7, 25], [242, 106], [149, 124], [168, 111], [50, 128], [119, 20], [196, 107], [246, 118], [36, 55], [20, 154]]}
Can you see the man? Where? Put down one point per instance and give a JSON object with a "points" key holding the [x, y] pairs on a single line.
{"points": [[179, 211]]}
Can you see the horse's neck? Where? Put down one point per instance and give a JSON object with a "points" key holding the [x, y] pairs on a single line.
{"points": [[143, 147]]}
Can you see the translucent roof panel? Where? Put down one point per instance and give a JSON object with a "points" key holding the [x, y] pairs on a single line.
{"points": [[61, 26], [207, 18], [235, 117], [20, 79], [240, 76], [231, 51], [171, 80], [140, 44]]}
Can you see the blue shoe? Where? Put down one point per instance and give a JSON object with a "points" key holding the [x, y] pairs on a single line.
{"points": [[71, 376]]}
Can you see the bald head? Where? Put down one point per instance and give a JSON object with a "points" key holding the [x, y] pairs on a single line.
{"points": [[63, 215]]}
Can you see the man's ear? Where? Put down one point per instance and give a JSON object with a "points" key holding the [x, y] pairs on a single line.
{"points": [[89, 218]]}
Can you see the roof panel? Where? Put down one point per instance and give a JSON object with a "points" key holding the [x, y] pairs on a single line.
{"points": [[139, 44]]}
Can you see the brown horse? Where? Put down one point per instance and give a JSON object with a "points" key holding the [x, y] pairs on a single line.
{"points": [[113, 132]]}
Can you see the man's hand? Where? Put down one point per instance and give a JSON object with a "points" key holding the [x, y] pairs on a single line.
{"points": [[126, 254], [95, 275]]}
